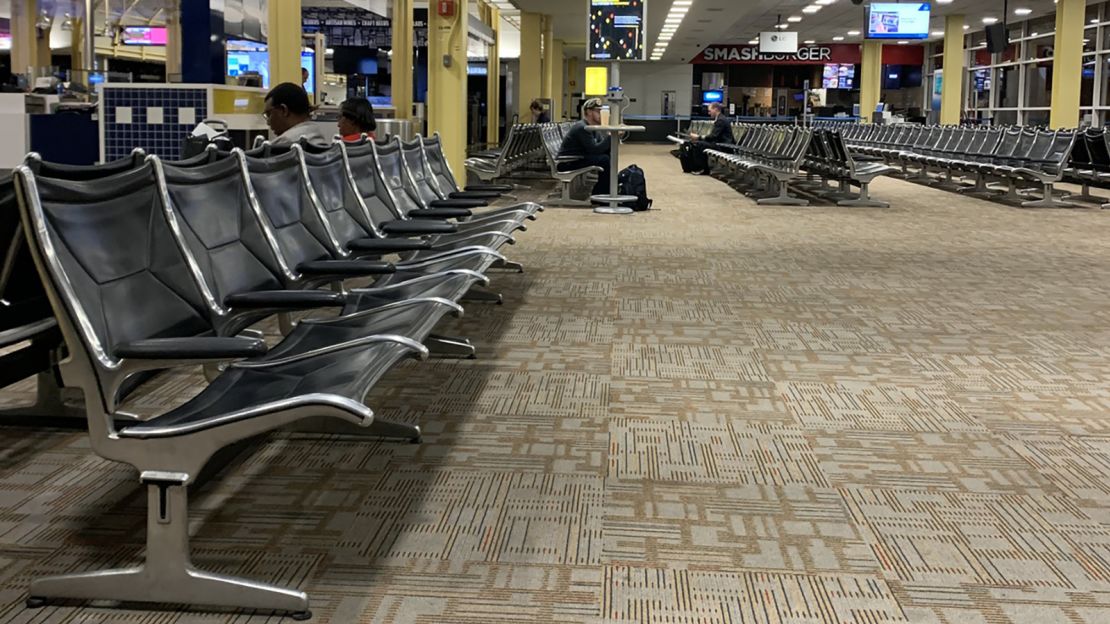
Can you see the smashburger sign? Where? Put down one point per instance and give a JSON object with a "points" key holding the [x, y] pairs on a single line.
{"points": [[846, 53], [736, 54]]}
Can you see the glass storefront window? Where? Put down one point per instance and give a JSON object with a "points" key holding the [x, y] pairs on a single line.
{"points": [[1087, 83], [1036, 118], [1007, 86], [1039, 48], [1005, 117], [1038, 85]]}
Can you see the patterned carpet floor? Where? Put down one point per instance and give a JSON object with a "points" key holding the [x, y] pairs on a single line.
{"points": [[710, 412]]}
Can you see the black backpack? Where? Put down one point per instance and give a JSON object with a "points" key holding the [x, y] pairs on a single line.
{"points": [[631, 181]]}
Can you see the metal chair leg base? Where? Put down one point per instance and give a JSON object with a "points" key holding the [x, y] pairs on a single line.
{"points": [[484, 296], [509, 265], [301, 616], [35, 602], [445, 347], [167, 576]]}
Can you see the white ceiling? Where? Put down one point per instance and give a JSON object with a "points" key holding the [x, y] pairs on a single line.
{"points": [[737, 21]]}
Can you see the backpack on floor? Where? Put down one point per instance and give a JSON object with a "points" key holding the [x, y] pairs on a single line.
{"points": [[692, 157], [631, 181]]}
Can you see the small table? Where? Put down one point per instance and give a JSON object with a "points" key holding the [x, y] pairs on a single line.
{"points": [[612, 202]]}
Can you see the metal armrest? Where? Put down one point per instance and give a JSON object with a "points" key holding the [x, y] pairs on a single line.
{"points": [[381, 246], [199, 348], [458, 203], [285, 300], [345, 268], [418, 227], [439, 213]]}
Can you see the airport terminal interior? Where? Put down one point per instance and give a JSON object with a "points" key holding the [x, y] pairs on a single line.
{"points": [[593, 311]]}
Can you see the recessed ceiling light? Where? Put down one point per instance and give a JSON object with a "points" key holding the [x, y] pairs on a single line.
{"points": [[937, 33], [825, 2], [903, 42], [809, 41], [1022, 11], [753, 41], [990, 20], [853, 33], [838, 38], [811, 9], [794, 19]]}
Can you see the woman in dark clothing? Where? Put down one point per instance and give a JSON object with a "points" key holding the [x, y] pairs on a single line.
{"points": [[356, 118]]}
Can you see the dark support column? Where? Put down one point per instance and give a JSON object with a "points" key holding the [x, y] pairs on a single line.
{"points": [[202, 43]]}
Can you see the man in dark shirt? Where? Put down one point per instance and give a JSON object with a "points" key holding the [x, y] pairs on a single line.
{"points": [[589, 149], [722, 128], [721, 133], [539, 115]]}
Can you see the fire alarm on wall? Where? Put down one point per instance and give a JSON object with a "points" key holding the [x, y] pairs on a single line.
{"points": [[445, 8]]}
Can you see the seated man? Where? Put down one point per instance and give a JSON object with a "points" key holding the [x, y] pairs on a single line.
{"points": [[289, 115], [721, 133], [590, 149]]}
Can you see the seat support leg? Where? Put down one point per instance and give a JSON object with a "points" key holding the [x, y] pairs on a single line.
{"points": [[509, 265], [783, 198], [443, 346], [484, 296], [50, 404], [1048, 201], [864, 200], [167, 575]]}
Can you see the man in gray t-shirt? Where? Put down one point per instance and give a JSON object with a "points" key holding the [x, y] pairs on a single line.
{"points": [[289, 115]]}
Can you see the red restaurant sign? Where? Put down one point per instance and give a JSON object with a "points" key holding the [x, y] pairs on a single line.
{"points": [[846, 53]]}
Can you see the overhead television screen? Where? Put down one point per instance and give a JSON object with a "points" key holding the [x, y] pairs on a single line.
{"points": [[244, 57], [144, 35], [709, 97], [617, 30], [886, 20]]}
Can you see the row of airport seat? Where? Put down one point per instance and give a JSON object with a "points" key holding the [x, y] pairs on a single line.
{"points": [[522, 148], [1022, 158], [767, 160], [553, 134], [123, 270]]}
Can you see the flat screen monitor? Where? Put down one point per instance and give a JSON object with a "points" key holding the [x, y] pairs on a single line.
{"points": [[838, 76], [143, 35], [617, 30], [709, 97], [887, 20], [355, 60], [308, 63], [244, 57]]}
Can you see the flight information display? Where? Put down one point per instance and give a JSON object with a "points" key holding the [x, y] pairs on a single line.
{"points": [[886, 20], [617, 30]]}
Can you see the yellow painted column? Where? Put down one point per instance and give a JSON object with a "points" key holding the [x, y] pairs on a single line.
{"points": [[556, 80], [871, 78], [547, 87], [25, 45], [531, 66], [284, 41], [77, 61], [493, 79], [575, 83], [952, 87], [447, 37], [401, 61], [1067, 66]]}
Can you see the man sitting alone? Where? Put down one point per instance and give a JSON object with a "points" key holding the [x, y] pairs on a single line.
{"points": [[589, 149], [721, 133]]}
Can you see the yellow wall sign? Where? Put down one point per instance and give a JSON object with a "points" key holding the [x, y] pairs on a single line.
{"points": [[597, 81]]}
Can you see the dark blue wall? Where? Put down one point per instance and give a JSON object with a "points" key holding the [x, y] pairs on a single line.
{"points": [[202, 43]]}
